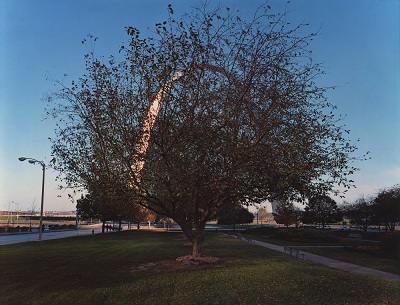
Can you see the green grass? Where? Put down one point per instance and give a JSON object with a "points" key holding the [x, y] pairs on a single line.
{"points": [[97, 270]]}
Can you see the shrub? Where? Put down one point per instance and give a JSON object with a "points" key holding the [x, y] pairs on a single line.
{"points": [[11, 230], [390, 245], [295, 234], [262, 231], [55, 227], [307, 235]]}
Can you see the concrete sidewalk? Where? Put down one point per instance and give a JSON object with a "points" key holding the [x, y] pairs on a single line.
{"points": [[331, 262], [8, 239]]}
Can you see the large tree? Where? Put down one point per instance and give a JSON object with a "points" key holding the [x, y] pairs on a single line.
{"points": [[360, 213], [387, 207], [287, 214], [321, 209], [263, 215], [234, 216], [210, 111]]}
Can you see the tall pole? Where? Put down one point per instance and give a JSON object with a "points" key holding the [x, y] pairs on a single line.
{"points": [[8, 218], [17, 211], [41, 204], [34, 161]]}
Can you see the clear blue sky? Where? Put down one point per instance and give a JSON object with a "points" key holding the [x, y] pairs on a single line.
{"points": [[358, 43]]}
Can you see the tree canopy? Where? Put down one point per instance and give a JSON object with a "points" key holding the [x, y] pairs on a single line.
{"points": [[209, 111], [360, 213], [234, 216], [287, 214], [387, 207], [321, 209], [381, 209]]}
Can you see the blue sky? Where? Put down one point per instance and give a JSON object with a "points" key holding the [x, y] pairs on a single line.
{"points": [[358, 44]]}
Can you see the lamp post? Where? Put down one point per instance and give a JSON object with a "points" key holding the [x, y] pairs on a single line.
{"points": [[17, 211], [34, 161], [8, 218]]}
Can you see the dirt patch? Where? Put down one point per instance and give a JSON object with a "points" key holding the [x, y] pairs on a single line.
{"points": [[181, 263]]}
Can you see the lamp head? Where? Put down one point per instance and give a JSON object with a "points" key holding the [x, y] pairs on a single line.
{"points": [[22, 159]]}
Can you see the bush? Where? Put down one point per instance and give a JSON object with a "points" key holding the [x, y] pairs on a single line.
{"points": [[12, 230], [307, 235], [390, 245], [54, 227], [262, 231], [295, 234]]}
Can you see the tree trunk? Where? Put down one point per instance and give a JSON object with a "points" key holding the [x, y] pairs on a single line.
{"points": [[195, 236], [103, 226], [198, 245]]}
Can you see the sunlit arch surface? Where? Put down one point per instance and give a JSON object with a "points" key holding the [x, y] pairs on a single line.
{"points": [[153, 111]]}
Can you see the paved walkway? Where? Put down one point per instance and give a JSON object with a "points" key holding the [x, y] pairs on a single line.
{"points": [[8, 239], [332, 262]]}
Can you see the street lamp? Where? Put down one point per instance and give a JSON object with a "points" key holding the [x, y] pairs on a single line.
{"points": [[17, 210], [34, 161]]}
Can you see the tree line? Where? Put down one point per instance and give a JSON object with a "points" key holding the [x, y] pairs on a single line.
{"points": [[382, 210]]}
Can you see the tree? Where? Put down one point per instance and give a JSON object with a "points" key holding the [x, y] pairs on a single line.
{"points": [[89, 207], [387, 207], [111, 208], [234, 216], [263, 215], [361, 213], [298, 216], [209, 111], [287, 214], [321, 209]]}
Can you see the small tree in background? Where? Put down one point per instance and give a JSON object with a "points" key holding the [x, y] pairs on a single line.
{"points": [[287, 214], [235, 216], [360, 213], [263, 215], [387, 207], [321, 209]]}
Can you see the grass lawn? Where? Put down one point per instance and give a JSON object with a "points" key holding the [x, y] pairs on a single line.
{"points": [[97, 269]]}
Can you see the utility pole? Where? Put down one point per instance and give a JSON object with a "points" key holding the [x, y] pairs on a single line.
{"points": [[8, 218]]}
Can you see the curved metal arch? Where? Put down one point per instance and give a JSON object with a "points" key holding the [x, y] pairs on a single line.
{"points": [[154, 109]]}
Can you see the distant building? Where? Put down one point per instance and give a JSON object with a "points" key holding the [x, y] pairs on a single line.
{"points": [[274, 203]]}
